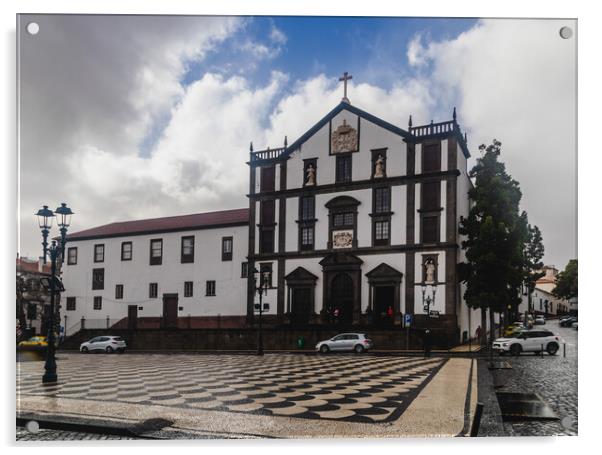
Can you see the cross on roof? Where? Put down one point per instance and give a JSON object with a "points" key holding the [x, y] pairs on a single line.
{"points": [[346, 76]]}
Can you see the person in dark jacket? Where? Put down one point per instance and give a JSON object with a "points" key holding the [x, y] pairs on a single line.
{"points": [[427, 343]]}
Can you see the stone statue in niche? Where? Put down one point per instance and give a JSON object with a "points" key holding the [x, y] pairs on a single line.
{"points": [[344, 139], [379, 167], [429, 271], [310, 175]]}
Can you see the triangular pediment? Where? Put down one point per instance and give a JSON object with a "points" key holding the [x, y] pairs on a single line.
{"points": [[384, 271], [301, 274], [340, 259]]}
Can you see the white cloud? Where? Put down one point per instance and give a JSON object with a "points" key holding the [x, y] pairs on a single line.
{"points": [[415, 52], [277, 35]]}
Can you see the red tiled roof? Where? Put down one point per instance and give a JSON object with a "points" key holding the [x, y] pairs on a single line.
{"points": [[30, 266], [166, 224]]}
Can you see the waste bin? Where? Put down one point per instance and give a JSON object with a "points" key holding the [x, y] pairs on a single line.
{"points": [[301, 342]]}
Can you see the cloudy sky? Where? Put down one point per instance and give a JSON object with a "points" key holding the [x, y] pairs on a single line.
{"points": [[127, 117]]}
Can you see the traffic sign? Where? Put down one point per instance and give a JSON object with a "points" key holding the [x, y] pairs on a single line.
{"points": [[407, 319]]}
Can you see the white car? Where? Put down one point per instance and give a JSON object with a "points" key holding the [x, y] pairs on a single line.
{"points": [[108, 344], [540, 320], [357, 342], [529, 341]]}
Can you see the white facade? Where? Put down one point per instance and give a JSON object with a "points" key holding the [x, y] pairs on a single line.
{"points": [[135, 276]]}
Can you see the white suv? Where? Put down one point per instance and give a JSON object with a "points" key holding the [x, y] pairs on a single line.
{"points": [[106, 344], [529, 341]]}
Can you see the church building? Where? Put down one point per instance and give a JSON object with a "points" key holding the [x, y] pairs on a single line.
{"points": [[355, 223]]}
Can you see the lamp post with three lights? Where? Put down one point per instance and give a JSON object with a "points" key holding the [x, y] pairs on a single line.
{"points": [[261, 287], [53, 284]]}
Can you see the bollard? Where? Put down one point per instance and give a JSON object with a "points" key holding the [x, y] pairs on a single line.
{"points": [[542, 350], [108, 324], [563, 349], [476, 421]]}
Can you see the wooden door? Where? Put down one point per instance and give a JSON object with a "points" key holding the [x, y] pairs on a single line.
{"points": [[170, 310], [132, 317]]}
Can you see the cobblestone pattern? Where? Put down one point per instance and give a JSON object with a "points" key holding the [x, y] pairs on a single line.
{"points": [[554, 378], [345, 388], [60, 435]]}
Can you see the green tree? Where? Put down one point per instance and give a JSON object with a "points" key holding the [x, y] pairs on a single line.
{"points": [[566, 282], [533, 254], [494, 235]]}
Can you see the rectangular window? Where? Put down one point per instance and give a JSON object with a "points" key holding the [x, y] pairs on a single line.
{"points": [[156, 251], [244, 270], [98, 279], [72, 255], [266, 240], [266, 268], [307, 208], [430, 229], [343, 169], [70, 303], [188, 286], [431, 158], [343, 219], [382, 200], [227, 248], [267, 181], [381, 231], [210, 288], [267, 215], [187, 249], [119, 291], [126, 251], [153, 289], [98, 302], [431, 195], [99, 253], [307, 238]]}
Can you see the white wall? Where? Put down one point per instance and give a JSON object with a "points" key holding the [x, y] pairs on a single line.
{"points": [[135, 275]]}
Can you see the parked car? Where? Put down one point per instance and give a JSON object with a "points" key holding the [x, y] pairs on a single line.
{"points": [[34, 342], [528, 341], [567, 322], [529, 323], [106, 344], [357, 342], [540, 320], [513, 328]]}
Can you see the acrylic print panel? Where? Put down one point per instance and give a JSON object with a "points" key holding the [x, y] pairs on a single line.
{"points": [[170, 161]]}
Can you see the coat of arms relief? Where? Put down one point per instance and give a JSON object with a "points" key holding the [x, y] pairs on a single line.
{"points": [[342, 239], [344, 139]]}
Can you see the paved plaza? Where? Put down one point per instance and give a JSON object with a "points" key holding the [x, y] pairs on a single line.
{"points": [[278, 395]]}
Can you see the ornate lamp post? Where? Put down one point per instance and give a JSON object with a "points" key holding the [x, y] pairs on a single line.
{"points": [[55, 251], [260, 289]]}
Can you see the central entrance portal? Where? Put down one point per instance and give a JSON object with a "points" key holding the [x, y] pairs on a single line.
{"points": [[384, 304], [341, 298], [342, 287]]}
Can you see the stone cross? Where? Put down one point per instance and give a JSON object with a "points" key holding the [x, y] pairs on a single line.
{"points": [[346, 76]]}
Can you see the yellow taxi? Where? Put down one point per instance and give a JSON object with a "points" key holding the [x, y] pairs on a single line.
{"points": [[37, 341], [513, 328]]}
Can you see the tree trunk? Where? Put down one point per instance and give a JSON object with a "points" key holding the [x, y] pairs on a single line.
{"points": [[492, 325], [483, 335]]}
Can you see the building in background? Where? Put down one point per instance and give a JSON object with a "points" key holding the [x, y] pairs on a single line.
{"points": [[543, 301], [33, 301]]}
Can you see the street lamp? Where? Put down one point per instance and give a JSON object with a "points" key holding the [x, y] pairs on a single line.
{"points": [[260, 289], [45, 216]]}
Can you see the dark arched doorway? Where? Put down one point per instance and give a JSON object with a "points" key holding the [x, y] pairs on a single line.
{"points": [[342, 297]]}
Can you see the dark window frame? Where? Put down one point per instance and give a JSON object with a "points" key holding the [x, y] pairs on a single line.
{"points": [[118, 291], [266, 240], [343, 174], [155, 260], [186, 258], [244, 270], [96, 247], [376, 222], [307, 221], [188, 288], [70, 304], [433, 162], [153, 290], [267, 174], [98, 285], [70, 260], [342, 204], [437, 228], [210, 288], [97, 303], [227, 255], [430, 196], [123, 251]]}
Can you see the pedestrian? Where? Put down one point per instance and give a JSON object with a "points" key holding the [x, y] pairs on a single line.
{"points": [[390, 311], [478, 334], [427, 343]]}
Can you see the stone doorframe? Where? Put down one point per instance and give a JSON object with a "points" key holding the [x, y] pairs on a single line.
{"points": [[301, 278], [336, 263], [385, 275]]}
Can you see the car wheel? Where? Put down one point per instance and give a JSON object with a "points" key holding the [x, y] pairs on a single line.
{"points": [[85, 350], [552, 348], [516, 349], [324, 349], [358, 349], [109, 350]]}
